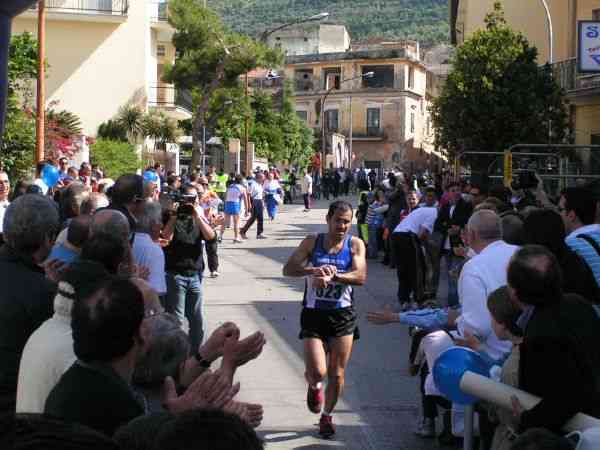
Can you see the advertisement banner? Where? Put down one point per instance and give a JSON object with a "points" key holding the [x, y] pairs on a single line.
{"points": [[588, 58]]}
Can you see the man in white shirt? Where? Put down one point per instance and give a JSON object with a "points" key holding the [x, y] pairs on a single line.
{"points": [[146, 251], [256, 193], [480, 276], [4, 192], [307, 187], [406, 240]]}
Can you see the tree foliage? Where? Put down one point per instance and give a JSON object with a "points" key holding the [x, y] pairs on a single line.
{"points": [[424, 20], [496, 95], [18, 143], [210, 57], [115, 157], [276, 130]]}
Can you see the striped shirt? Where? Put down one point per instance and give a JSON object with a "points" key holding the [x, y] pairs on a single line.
{"points": [[586, 250]]}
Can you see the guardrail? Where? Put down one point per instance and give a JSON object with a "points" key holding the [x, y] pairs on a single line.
{"points": [[568, 77], [120, 7]]}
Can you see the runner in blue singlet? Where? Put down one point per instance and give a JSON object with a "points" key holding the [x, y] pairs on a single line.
{"points": [[332, 264]]}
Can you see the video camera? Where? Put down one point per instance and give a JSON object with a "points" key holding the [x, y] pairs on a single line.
{"points": [[186, 205]]}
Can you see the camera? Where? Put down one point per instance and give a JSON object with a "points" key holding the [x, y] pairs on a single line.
{"points": [[186, 205], [525, 180]]}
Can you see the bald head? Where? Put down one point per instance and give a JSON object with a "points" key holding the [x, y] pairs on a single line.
{"points": [[112, 222], [535, 276], [486, 224]]}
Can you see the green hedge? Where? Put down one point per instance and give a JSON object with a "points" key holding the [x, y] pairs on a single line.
{"points": [[115, 157]]}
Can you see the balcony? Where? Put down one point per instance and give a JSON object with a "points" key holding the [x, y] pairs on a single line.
{"points": [[176, 102], [372, 134], [578, 86], [265, 83], [85, 10], [304, 85]]}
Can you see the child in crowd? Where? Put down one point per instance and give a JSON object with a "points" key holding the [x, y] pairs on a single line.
{"points": [[375, 216]]}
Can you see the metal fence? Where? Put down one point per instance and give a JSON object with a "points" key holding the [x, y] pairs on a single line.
{"points": [[568, 77]]}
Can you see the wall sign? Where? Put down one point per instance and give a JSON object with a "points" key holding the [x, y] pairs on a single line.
{"points": [[588, 57]]}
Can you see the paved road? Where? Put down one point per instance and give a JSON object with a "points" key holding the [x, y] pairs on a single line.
{"points": [[381, 404]]}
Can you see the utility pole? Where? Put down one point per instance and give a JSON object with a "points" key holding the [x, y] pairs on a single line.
{"points": [[246, 130], [41, 83]]}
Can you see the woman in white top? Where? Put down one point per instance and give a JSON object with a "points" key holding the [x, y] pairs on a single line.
{"points": [[273, 195], [234, 196]]}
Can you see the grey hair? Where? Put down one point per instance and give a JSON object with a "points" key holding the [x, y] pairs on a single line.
{"points": [[151, 215], [30, 220], [95, 200], [168, 348], [487, 224], [72, 199], [110, 221]]}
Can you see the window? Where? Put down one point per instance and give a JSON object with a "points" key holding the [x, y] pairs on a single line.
{"points": [[412, 122], [332, 78], [596, 14], [331, 120], [161, 50], [383, 77], [304, 79], [303, 115], [373, 121], [411, 77]]}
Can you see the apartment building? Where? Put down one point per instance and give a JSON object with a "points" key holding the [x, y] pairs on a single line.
{"points": [[103, 54], [385, 118], [582, 89]]}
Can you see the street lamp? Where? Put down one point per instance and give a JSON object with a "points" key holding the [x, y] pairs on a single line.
{"points": [[225, 103], [324, 98], [550, 32], [263, 39]]}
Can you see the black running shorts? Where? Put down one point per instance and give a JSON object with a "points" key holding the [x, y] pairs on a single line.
{"points": [[325, 324]]}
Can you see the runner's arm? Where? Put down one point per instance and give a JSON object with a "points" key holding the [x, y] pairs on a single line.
{"points": [[358, 275], [295, 266]]}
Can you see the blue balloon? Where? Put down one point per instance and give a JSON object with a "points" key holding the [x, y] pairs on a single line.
{"points": [[150, 176], [449, 369], [50, 175]]}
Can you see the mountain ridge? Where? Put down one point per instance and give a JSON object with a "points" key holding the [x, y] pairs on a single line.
{"points": [[422, 20]]}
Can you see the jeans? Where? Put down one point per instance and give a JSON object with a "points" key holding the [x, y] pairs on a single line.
{"points": [[212, 256], [258, 216], [373, 246], [184, 299], [306, 201], [452, 263]]}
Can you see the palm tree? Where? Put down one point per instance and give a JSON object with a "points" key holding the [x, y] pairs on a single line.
{"points": [[130, 116]]}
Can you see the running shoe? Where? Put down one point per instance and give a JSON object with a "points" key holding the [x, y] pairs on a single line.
{"points": [[237, 241], [220, 239], [214, 274], [326, 427], [261, 236], [426, 429], [314, 399]]}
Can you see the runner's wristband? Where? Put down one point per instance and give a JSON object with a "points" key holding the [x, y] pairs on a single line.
{"points": [[201, 361]]}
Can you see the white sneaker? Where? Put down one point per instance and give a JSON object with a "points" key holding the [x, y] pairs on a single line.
{"points": [[426, 429], [237, 241], [214, 274]]}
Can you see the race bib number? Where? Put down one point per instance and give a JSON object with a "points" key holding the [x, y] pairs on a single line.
{"points": [[333, 292]]}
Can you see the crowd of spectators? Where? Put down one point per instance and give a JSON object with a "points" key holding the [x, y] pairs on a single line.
{"points": [[102, 331], [520, 286]]}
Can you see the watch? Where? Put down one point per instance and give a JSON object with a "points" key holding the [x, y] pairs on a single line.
{"points": [[201, 361]]}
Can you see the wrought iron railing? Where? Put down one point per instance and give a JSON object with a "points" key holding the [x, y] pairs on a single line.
{"points": [[570, 79], [167, 96], [120, 7], [304, 85], [159, 11]]}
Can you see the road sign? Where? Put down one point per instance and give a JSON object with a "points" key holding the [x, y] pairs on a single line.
{"points": [[588, 57], [508, 168]]}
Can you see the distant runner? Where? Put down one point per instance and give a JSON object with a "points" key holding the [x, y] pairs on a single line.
{"points": [[332, 264]]}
